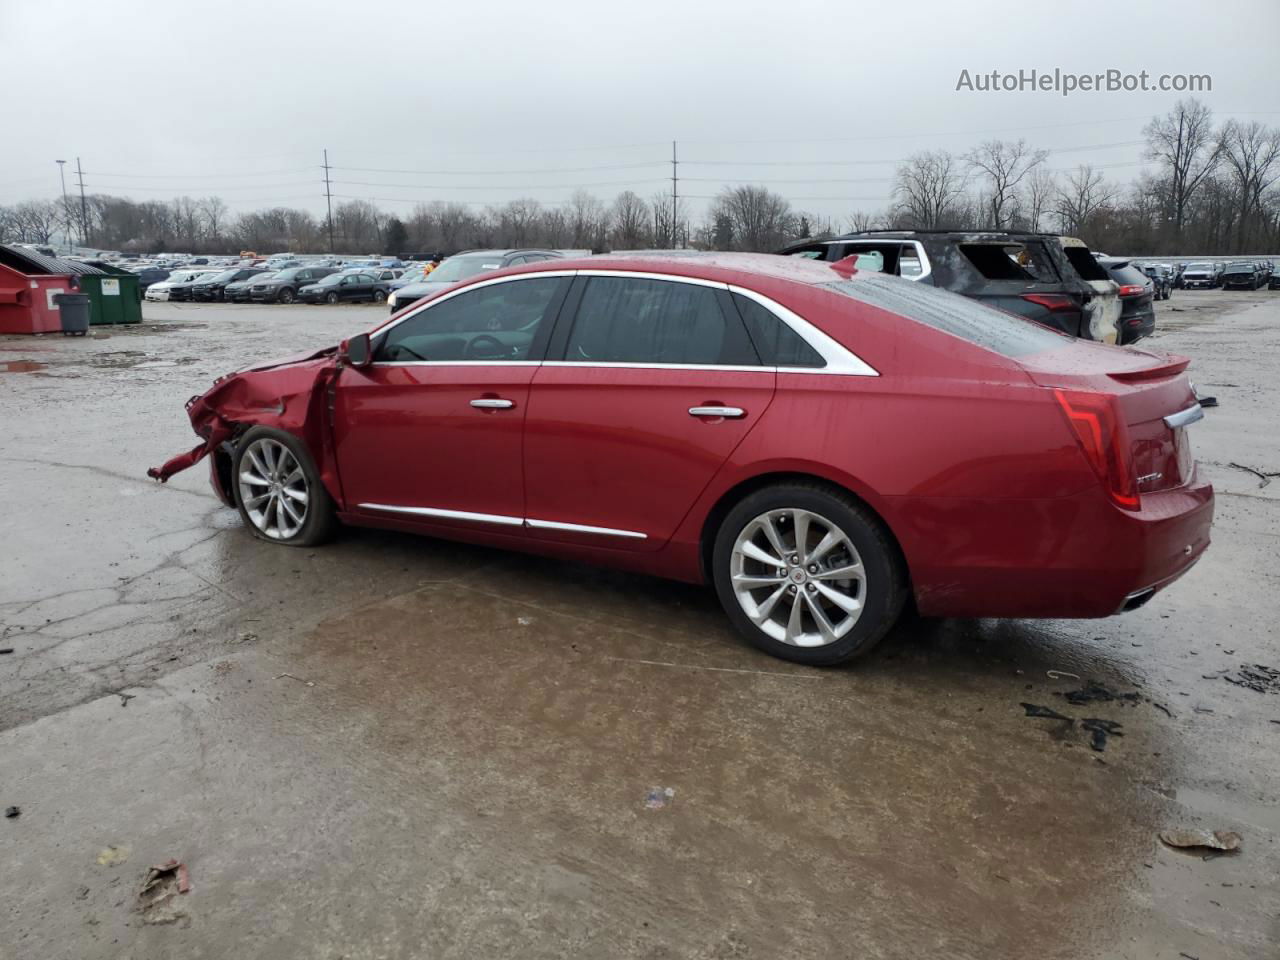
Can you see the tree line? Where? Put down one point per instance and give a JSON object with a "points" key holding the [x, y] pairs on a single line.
{"points": [[1213, 191]]}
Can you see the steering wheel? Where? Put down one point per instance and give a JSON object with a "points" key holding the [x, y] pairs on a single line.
{"points": [[497, 347]]}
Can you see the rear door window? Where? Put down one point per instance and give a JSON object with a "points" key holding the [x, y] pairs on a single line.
{"points": [[776, 343], [642, 321], [1084, 263], [995, 330], [1028, 262]]}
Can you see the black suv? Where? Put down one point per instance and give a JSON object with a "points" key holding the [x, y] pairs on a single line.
{"points": [[1241, 276], [215, 288], [1052, 280], [1138, 291], [283, 287], [1161, 277]]}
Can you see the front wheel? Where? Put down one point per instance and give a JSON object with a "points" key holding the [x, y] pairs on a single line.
{"points": [[331, 298], [285, 296], [278, 489], [808, 574]]}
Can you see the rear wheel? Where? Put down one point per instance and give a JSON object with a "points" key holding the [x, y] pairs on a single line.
{"points": [[808, 574], [278, 489], [379, 296]]}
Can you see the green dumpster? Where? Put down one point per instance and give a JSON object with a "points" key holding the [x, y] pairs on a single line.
{"points": [[113, 295]]}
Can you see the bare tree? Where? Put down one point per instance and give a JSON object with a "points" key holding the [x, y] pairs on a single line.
{"points": [[1081, 198], [667, 223], [758, 219], [1251, 153], [213, 212], [631, 224], [1182, 141], [1002, 165], [35, 221], [588, 221], [926, 187], [1038, 192]]}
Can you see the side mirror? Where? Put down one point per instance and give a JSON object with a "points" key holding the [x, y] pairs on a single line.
{"points": [[357, 352]]}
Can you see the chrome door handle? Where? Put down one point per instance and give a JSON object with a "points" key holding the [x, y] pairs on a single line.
{"points": [[730, 412], [492, 403]]}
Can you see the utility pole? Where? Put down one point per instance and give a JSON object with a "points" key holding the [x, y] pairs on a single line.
{"points": [[328, 197], [84, 207], [66, 210], [675, 192]]}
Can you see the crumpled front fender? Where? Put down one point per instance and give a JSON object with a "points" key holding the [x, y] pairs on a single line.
{"points": [[292, 397]]}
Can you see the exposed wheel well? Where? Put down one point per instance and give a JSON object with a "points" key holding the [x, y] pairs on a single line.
{"points": [[733, 496]]}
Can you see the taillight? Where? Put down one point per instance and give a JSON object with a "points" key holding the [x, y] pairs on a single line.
{"points": [[1132, 290], [1104, 441], [1053, 302]]}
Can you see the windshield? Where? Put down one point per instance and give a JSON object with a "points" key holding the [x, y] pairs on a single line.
{"points": [[995, 330], [1198, 267], [459, 268], [1240, 268], [259, 277], [223, 277], [332, 279]]}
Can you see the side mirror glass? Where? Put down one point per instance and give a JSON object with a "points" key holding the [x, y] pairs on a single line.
{"points": [[358, 351]]}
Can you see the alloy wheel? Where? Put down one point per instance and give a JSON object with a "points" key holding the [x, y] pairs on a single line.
{"points": [[798, 577], [273, 489]]}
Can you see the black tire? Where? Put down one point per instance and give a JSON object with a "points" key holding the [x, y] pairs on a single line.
{"points": [[379, 296], [320, 520], [285, 296], [883, 592], [331, 298]]}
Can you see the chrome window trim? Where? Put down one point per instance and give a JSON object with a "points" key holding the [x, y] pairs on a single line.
{"points": [[647, 275], [841, 361], [504, 521], [603, 365]]}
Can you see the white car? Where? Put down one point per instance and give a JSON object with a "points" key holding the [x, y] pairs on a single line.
{"points": [[160, 291]]}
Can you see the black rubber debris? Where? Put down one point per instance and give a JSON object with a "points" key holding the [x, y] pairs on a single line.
{"points": [[1035, 710], [1094, 692], [1100, 730], [12, 812]]}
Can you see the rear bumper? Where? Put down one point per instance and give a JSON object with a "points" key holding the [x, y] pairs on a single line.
{"points": [[1075, 557]]}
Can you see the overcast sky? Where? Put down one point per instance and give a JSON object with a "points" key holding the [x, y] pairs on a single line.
{"points": [[486, 102]]}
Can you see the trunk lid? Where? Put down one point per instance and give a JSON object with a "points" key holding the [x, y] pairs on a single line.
{"points": [[1145, 386]]}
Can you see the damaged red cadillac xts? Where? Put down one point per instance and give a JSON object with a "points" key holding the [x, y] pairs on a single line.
{"points": [[822, 445]]}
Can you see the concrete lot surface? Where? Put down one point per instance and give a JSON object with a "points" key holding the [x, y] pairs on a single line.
{"points": [[399, 747]]}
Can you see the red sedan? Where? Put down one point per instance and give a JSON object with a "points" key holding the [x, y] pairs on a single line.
{"points": [[822, 445]]}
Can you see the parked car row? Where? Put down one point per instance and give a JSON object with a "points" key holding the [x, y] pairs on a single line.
{"points": [[1239, 275]]}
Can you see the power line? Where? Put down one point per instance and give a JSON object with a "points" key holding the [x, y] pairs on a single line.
{"points": [[503, 173], [197, 176], [496, 186]]}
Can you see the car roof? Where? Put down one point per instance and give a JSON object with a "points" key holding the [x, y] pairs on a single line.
{"points": [[734, 268]]}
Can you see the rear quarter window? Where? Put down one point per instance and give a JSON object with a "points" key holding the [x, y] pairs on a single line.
{"points": [[991, 329]]}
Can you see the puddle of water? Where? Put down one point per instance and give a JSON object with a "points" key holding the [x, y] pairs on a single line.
{"points": [[21, 366]]}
